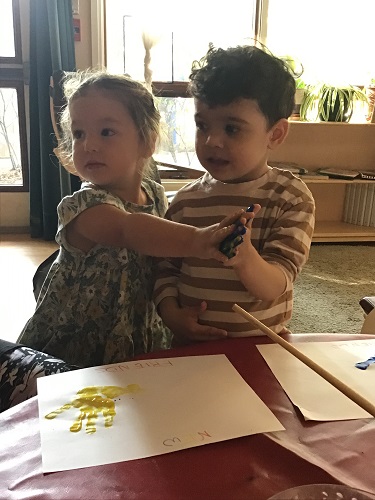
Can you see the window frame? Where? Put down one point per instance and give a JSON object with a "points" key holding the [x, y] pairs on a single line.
{"points": [[12, 76]]}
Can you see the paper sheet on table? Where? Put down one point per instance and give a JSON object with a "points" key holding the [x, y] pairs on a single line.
{"points": [[315, 397], [160, 405]]}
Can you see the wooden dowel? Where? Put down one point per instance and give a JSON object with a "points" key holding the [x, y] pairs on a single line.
{"points": [[345, 389]]}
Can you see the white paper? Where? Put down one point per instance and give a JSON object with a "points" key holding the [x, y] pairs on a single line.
{"points": [[166, 405], [315, 397]]}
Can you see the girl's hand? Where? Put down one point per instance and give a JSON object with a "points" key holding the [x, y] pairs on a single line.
{"points": [[205, 244]]}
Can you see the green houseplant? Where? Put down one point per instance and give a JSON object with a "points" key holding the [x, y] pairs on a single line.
{"points": [[330, 103], [296, 68]]}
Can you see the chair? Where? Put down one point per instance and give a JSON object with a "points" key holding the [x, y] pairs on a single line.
{"points": [[368, 305], [41, 273]]}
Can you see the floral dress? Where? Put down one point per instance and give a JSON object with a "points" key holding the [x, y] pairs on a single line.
{"points": [[96, 308]]}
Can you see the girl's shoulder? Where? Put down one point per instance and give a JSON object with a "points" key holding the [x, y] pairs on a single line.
{"points": [[156, 193], [88, 196]]}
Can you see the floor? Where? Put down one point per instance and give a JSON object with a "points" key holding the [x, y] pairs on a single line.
{"points": [[20, 256]]}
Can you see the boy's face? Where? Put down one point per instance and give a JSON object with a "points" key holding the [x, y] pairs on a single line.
{"points": [[232, 141]]}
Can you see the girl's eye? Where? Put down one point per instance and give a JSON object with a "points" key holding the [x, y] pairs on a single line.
{"points": [[231, 129], [107, 132], [77, 134]]}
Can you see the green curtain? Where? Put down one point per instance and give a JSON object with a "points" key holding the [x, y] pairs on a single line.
{"points": [[51, 48]]}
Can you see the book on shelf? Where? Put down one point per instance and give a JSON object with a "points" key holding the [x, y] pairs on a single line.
{"points": [[342, 173], [367, 175], [291, 166], [359, 204], [301, 172], [370, 216], [362, 205], [370, 205], [339, 173], [313, 176], [348, 202], [356, 204]]}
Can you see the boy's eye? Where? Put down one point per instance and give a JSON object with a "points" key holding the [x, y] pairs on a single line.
{"points": [[107, 132], [77, 134], [231, 129], [200, 125]]}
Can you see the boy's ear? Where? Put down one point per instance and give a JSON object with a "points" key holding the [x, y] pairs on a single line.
{"points": [[278, 133]]}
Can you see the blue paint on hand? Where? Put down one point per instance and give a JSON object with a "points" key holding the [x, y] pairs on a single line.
{"points": [[234, 239]]}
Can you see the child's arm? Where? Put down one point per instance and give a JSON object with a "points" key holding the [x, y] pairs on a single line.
{"points": [[107, 225], [262, 279], [266, 275]]}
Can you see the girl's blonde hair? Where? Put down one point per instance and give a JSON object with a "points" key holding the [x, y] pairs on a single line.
{"points": [[133, 95]]}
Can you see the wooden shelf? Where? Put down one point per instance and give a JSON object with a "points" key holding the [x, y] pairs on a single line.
{"points": [[334, 231], [324, 180]]}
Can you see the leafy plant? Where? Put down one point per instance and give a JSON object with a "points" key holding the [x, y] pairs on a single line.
{"points": [[300, 84], [330, 103], [295, 66]]}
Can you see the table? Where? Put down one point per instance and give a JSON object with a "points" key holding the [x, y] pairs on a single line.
{"points": [[252, 467]]}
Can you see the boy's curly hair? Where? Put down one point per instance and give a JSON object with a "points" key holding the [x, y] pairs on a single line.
{"points": [[225, 75]]}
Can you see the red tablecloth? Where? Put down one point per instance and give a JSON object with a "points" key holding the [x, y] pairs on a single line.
{"points": [[251, 467]]}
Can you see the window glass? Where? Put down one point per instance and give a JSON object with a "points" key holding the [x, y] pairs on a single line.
{"points": [[7, 47], [177, 138], [10, 144], [176, 37], [13, 142], [334, 39]]}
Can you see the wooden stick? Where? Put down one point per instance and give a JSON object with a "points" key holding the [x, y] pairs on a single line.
{"points": [[345, 389]]}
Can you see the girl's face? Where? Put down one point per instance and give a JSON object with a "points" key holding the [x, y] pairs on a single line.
{"points": [[233, 141], [107, 149]]}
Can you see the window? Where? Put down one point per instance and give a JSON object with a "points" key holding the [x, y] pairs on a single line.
{"points": [[13, 142], [175, 39], [331, 38]]}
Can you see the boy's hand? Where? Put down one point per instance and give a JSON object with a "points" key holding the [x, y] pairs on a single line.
{"points": [[184, 323], [207, 239], [240, 253]]}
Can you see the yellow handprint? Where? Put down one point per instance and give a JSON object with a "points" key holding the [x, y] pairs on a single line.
{"points": [[92, 401]]}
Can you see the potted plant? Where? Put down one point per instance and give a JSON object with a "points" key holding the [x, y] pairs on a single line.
{"points": [[330, 103], [370, 92], [298, 98], [296, 68]]}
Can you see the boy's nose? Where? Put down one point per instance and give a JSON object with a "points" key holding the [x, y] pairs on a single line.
{"points": [[214, 141]]}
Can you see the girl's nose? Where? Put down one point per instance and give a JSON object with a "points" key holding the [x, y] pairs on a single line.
{"points": [[91, 144]]}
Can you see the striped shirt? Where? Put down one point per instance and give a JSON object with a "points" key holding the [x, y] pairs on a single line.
{"points": [[281, 233]]}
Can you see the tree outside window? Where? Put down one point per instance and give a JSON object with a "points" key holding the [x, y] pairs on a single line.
{"points": [[13, 145]]}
